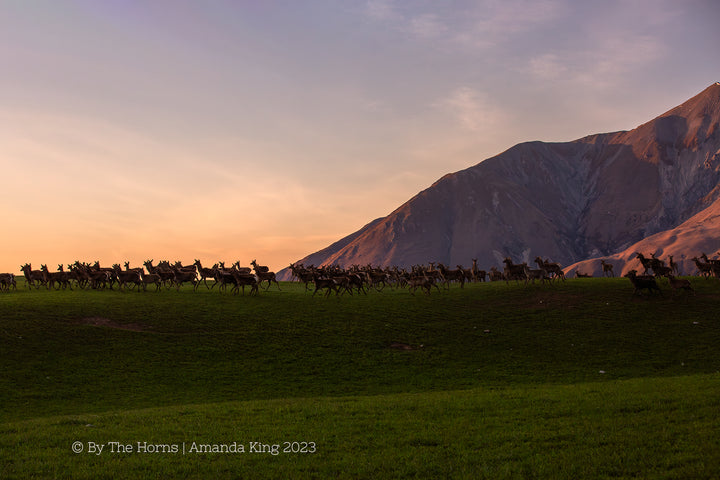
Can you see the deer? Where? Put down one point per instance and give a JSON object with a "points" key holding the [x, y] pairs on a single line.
{"points": [[495, 275], [238, 280], [223, 278], [205, 273], [477, 275], [99, 279], [264, 274], [468, 273], [179, 267], [651, 263], [376, 277], [81, 273], [182, 276], [303, 274], [704, 269], [235, 267], [47, 277], [356, 281], [643, 282], [7, 280], [151, 279], [245, 280], [397, 276], [343, 283], [607, 269], [452, 275], [662, 271], [714, 264], [61, 277], [267, 277], [166, 275], [128, 276], [673, 266], [646, 262], [258, 268], [33, 278], [352, 278], [512, 271], [323, 282], [138, 270], [680, 284], [552, 269], [421, 281], [532, 274]]}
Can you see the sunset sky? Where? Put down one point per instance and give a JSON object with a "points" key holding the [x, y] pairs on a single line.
{"points": [[240, 130]]}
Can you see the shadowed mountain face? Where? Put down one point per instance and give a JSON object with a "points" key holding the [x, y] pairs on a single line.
{"points": [[697, 235], [565, 201]]}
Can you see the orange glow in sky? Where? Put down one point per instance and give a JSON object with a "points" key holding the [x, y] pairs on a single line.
{"points": [[248, 130]]}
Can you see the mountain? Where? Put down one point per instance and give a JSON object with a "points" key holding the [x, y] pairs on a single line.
{"points": [[570, 201], [697, 235]]}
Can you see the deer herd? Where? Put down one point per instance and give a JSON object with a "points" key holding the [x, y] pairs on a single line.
{"points": [[162, 275], [334, 279]]}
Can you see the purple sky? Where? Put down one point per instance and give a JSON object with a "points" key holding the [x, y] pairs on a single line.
{"points": [[240, 130]]}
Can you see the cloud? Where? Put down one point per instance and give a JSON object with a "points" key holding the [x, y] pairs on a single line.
{"points": [[547, 66], [496, 20], [621, 55], [381, 9], [602, 65], [478, 25], [608, 43], [426, 26], [471, 109]]}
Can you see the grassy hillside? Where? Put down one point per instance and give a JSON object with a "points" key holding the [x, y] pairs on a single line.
{"points": [[504, 378]]}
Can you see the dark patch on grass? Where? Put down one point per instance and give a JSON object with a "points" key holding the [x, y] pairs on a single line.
{"points": [[107, 323], [404, 346]]}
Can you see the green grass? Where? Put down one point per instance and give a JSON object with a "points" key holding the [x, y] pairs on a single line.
{"points": [[576, 380], [649, 428]]}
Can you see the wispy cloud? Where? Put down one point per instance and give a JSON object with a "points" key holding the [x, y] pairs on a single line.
{"points": [[495, 21], [471, 109], [478, 25], [548, 66], [427, 25], [619, 56], [608, 43], [604, 64], [381, 9]]}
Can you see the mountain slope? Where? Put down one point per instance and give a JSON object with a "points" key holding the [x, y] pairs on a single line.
{"points": [[697, 235], [565, 201]]}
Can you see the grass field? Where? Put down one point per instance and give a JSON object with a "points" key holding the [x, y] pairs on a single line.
{"points": [[576, 380]]}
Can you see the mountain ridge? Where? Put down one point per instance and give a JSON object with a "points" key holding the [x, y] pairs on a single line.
{"points": [[567, 201]]}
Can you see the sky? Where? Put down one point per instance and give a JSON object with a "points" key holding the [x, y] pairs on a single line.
{"points": [[239, 130]]}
